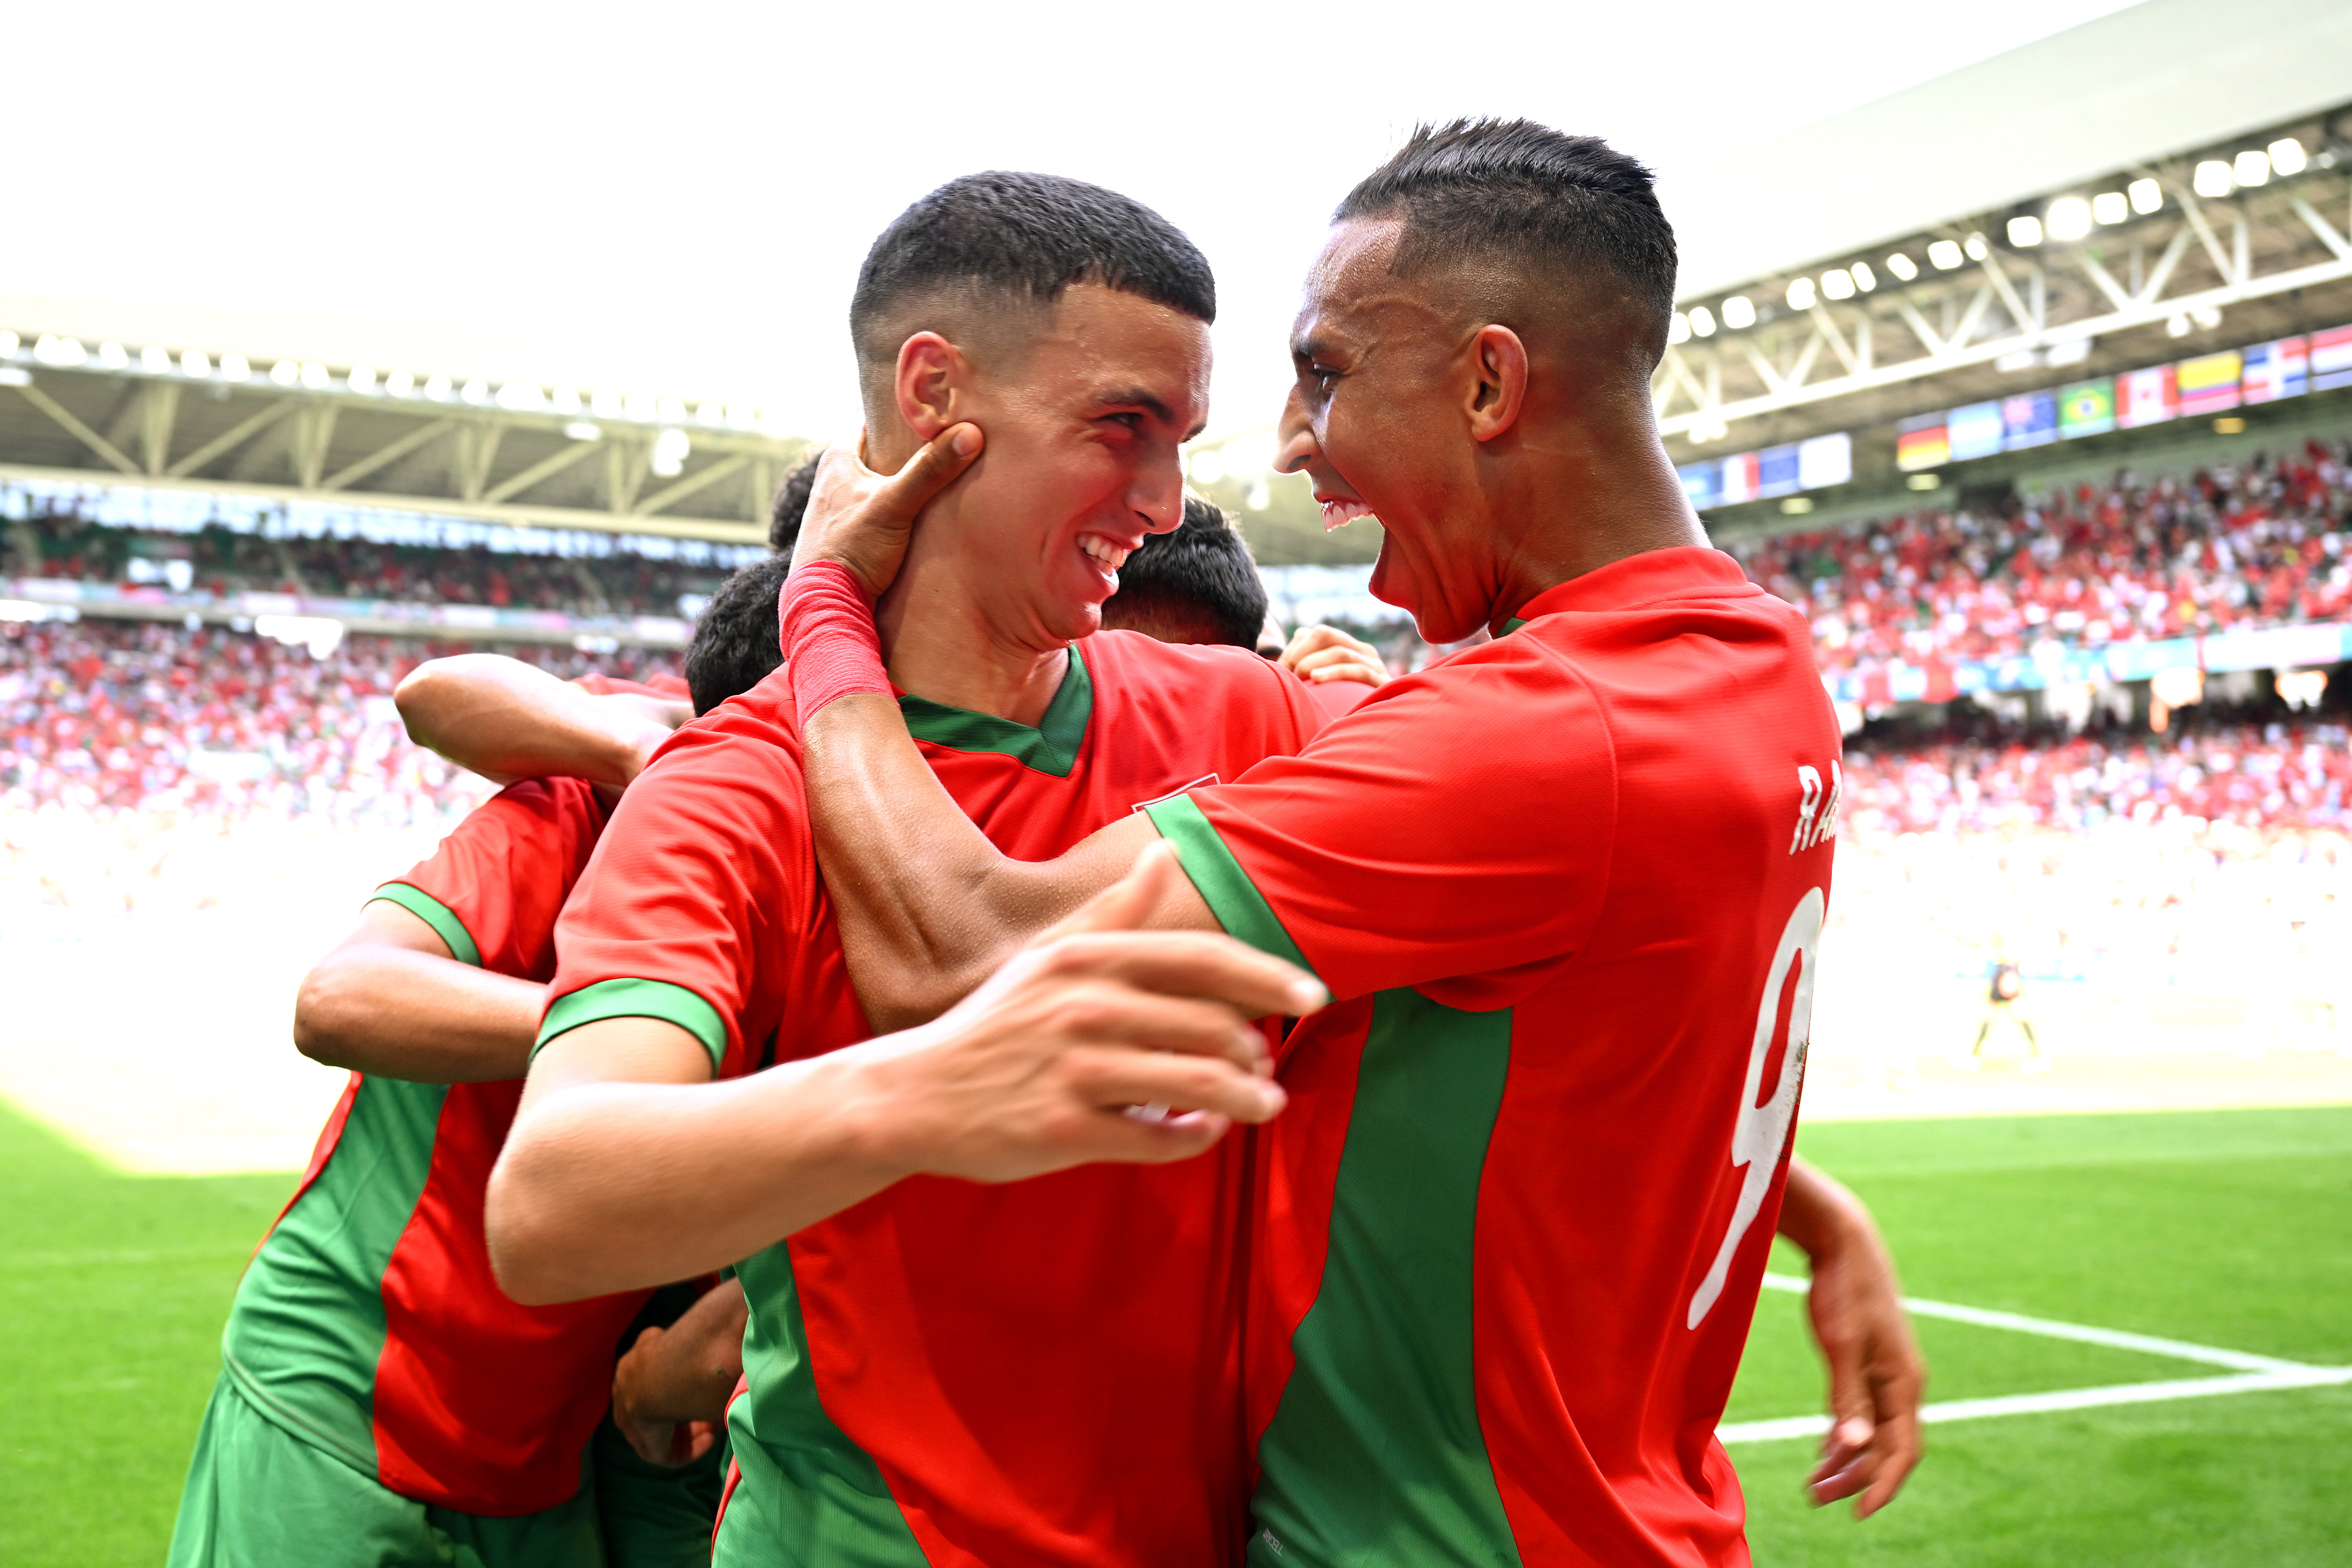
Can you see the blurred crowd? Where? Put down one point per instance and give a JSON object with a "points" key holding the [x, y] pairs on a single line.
{"points": [[2254, 546]]}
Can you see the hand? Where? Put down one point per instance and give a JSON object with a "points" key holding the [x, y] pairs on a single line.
{"points": [[657, 1441], [863, 520], [1327, 653], [1081, 1046], [1877, 1375]]}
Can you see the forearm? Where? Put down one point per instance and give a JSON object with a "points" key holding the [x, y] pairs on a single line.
{"points": [[618, 1185], [507, 719], [1819, 1215], [407, 1015]]}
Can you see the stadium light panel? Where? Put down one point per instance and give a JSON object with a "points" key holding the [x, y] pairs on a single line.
{"points": [[1702, 321], [2176, 326], [1837, 283], [1800, 294], [606, 404], [286, 373], [194, 363], [2074, 350], [477, 390], [2146, 196], [436, 387], [314, 375], [670, 450], [9, 342], [1976, 248], [236, 367], [1678, 329], [2069, 217], [566, 400], [1863, 278], [2025, 230], [1903, 266], [2017, 359], [2207, 316], [2109, 207], [671, 410], [2286, 156], [582, 430], [2212, 180], [114, 356], [155, 360], [2252, 168], [526, 396], [711, 413], [362, 378], [742, 416], [1924, 481], [1738, 312], [1946, 254], [400, 383], [639, 407]]}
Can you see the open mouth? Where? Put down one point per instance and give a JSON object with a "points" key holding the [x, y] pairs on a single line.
{"points": [[1112, 556], [1339, 513]]}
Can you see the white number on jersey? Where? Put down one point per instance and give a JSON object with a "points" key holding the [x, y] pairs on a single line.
{"points": [[1762, 1130]]}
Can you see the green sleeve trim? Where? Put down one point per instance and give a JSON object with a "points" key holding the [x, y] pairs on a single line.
{"points": [[434, 913], [636, 999], [1231, 895], [1514, 624]]}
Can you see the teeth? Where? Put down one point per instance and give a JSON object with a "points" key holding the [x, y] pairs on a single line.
{"points": [[1104, 551], [1339, 513]]}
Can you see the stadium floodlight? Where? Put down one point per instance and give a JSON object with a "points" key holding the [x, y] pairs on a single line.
{"points": [[1946, 254], [2069, 217], [2025, 230], [1738, 312], [640, 406], [1800, 294], [1976, 248], [582, 430], [50, 349], [2074, 350], [1863, 278], [711, 413], [2109, 207], [9, 342], [2146, 196], [2286, 156], [2252, 168], [286, 373], [607, 403], [360, 378], [155, 360], [527, 395], [670, 450], [1708, 428], [236, 367], [1903, 266], [742, 416], [314, 375], [1925, 481], [113, 356], [2176, 326], [477, 390], [2207, 316], [436, 387], [1702, 321], [2016, 359], [2212, 179], [1837, 283], [671, 410], [1678, 327], [195, 363], [566, 400], [400, 383]]}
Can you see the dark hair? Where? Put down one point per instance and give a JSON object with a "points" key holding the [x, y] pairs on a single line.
{"points": [[1199, 578], [736, 641], [1011, 240], [791, 499], [1548, 202]]}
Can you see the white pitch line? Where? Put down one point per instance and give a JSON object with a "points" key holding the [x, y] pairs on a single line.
{"points": [[2254, 1374]]}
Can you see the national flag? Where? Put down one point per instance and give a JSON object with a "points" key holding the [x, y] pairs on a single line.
{"points": [[2208, 384], [2146, 398], [2029, 420], [1776, 472], [1702, 483], [1826, 460], [2273, 371], [2087, 408], [1975, 431], [1739, 482], [2331, 359], [1923, 442]]}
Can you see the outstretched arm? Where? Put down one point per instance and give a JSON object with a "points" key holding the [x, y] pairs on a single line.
{"points": [[1876, 1375], [507, 719], [392, 1001]]}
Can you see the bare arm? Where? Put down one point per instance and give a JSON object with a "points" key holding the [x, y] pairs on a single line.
{"points": [[392, 1001], [507, 719], [627, 1167], [671, 1391], [1876, 1375]]}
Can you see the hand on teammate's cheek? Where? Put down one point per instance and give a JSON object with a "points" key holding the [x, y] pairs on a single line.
{"points": [[864, 520]]}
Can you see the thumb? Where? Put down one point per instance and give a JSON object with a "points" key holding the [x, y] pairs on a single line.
{"points": [[931, 470], [1127, 903]]}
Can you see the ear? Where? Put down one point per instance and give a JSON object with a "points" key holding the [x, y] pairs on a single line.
{"points": [[1498, 382], [933, 384]]}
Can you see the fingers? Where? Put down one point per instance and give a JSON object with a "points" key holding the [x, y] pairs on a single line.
{"points": [[942, 459], [1342, 664], [1848, 1461], [1112, 1079], [1897, 1440], [1127, 903], [1189, 963]]}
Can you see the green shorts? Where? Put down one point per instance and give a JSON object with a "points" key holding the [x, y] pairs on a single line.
{"points": [[258, 1497]]}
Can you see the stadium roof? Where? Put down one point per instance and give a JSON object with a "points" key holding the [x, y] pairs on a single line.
{"points": [[2158, 78]]}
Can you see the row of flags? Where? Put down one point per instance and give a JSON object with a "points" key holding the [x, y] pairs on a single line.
{"points": [[2208, 384], [1774, 471]]}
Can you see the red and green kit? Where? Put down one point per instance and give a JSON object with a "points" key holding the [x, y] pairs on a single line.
{"points": [[1567, 888], [949, 1374]]}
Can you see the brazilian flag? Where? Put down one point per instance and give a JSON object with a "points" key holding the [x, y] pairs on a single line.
{"points": [[2087, 408]]}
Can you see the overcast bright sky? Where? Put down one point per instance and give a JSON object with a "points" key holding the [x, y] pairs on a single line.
{"points": [[681, 194]]}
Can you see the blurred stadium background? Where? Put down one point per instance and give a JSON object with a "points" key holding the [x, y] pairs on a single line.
{"points": [[2032, 384]]}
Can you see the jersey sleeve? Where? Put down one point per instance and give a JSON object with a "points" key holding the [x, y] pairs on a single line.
{"points": [[1458, 827], [697, 875], [493, 888]]}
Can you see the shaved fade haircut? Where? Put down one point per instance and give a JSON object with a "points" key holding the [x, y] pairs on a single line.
{"points": [[736, 642], [1197, 583], [990, 246], [1552, 207]]}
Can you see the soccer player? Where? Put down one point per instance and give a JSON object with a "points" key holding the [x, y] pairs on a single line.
{"points": [[1568, 886]]}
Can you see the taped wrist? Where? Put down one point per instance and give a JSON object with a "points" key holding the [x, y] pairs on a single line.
{"points": [[826, 630]]}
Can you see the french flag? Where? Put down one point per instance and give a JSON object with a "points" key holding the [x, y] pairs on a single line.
{"points": [[1743, 478]]}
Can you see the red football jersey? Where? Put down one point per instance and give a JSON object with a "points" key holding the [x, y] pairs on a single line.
{"points": [[948, 1373], [1567, 888]]}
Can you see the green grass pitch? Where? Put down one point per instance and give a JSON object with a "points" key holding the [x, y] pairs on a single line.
{"points": [[2230, 1229]]}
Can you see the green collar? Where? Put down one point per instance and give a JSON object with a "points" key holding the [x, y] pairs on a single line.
{"points": [[1514, 624], [1051, 747]]}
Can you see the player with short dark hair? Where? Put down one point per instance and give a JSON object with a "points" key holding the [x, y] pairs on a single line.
{"points": [[791, 499], [1510, 1229], [1197, 583]]}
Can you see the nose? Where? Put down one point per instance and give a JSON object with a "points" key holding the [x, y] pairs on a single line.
{"points": [[1296, 436], [1158, 494]]}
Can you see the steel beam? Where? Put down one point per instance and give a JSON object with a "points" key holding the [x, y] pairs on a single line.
{"points": [[81, 432]]}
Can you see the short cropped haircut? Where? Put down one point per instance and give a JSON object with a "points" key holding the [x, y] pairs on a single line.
{"points": [[791, 499], [1198, 579], [1001, 242], [1546, 203], [736, 641]]}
